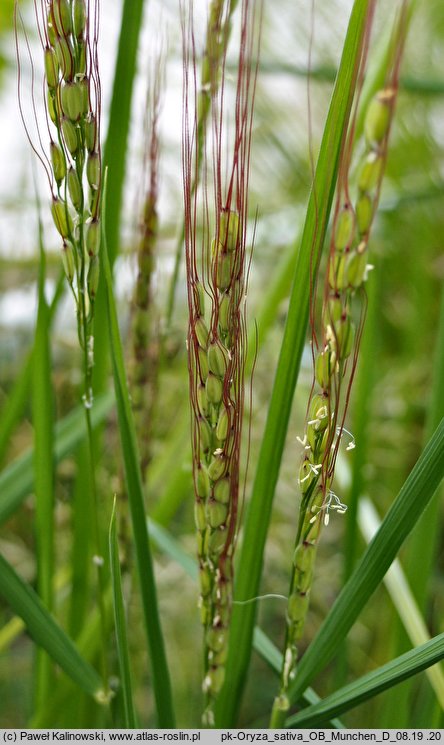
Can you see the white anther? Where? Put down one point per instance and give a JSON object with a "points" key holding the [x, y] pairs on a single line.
{"points": [[333, 503], [329, 335], [302, 442], [288, 663], [218, 451], [88, 400], [367, 270], [314, 469], [98, 561], [352, 444]]}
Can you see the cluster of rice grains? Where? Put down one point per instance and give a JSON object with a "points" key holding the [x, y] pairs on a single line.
{"points": [[217, 271], [335, 357], [68, 32]]}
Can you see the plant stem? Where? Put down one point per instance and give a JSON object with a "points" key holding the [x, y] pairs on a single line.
{"points": [[99, 559]]}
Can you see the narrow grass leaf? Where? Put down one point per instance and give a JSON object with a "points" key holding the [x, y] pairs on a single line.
{"points": [[45, 630], [172, 548], [399, 521], [326, 74], [114, 159], [17, 479], [14, 627], [133, 481], [88, 644], [129, 719], [12, 411], [277, 289], [425, 535], [259, 512], [370, 685], [424, 540], [402, 597]]}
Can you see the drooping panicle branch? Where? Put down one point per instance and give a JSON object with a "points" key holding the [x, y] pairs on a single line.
{"points": [[216, 212], [68, 31], [70, 108]]}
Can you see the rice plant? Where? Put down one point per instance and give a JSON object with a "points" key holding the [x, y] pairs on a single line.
{"points": [[222, 437]]}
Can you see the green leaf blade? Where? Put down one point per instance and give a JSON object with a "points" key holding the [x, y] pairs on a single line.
{"points": [[45, 630], [259, 512], [387, 676], [16, 480]]}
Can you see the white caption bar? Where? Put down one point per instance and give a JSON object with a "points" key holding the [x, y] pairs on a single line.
{"points": [[220, 736]]}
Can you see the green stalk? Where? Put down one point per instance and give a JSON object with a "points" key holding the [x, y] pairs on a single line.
{"points": [[81, 552], [129, 719], [42, 404], [259, 512], [86, 330], [133, 480], [100, 554]]}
